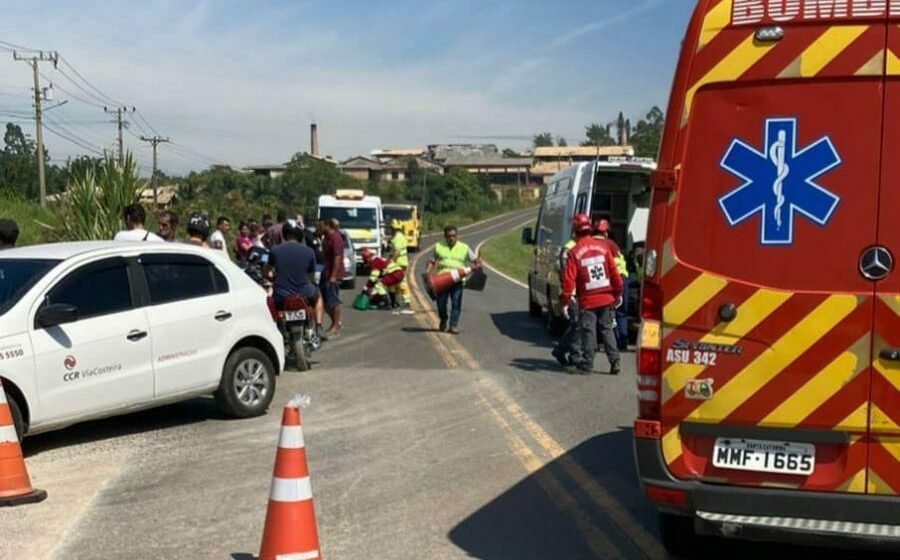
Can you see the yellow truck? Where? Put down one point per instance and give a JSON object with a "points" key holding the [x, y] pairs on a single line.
{"points": [[409, 215]]}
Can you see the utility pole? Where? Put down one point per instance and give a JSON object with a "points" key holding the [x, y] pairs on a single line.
{"points": [[154, 180], [39, 94], [119, 112]]}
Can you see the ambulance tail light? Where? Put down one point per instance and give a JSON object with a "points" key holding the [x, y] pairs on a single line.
{"points": [[649, 378]]}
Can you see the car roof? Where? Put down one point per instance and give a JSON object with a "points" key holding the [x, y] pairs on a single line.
{"points": [[68, 250]]}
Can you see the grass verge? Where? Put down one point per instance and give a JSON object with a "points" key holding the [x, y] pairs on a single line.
{"points": [[506, 253]]}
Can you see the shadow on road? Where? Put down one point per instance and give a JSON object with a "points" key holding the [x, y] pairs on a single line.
{"points": [[524, 523], [538, 364], [188, 412], [419, 329], [519, 325], [243, 556]]}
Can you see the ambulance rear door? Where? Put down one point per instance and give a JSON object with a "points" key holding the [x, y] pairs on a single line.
{"points": [[881, 262], [767, 320]]}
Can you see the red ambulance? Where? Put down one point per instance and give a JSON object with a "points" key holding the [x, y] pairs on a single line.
{"points": [[769, 358]]}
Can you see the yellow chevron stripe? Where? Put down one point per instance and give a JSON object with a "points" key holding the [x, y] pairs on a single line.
{"points": [[716, 20], [765, 367], [692, 298], [823, 386], [822, 51], [772, 362], [877, 485], [880, 422], [857, 484], [751, 313], [888, 370], [671, 446], [891, 445], [855, 419], [728, 69], [893, 63]]}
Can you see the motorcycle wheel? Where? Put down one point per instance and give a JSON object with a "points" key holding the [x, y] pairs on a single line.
{"points": [[301, 351]]}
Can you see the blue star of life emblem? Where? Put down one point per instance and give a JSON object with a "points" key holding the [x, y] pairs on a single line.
{"points": [[779, 182]]}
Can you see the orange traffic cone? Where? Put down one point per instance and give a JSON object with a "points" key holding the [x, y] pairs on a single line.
{"points": [[15, 486], [437, 284], [290, 532]]}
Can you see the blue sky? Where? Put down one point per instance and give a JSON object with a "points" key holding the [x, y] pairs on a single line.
{"points": [[240, 81]]}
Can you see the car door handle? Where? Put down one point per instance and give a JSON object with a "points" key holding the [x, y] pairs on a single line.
{"points": [[223, 316], [136, 335], [890, 354]]}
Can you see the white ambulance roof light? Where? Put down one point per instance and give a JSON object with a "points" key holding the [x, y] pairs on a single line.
{"points": [[349, 194]]}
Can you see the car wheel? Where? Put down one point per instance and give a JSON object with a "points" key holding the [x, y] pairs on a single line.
{"points": [[534, 309], [677, 534], [248, 383], [17, 417]]}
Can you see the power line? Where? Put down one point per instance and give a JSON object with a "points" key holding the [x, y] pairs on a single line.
{"points": [[150, 126], [9, 46], [198, 154], [72, 95], [85, 146], [89, 84]]}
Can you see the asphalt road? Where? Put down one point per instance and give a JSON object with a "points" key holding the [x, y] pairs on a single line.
{"points": [[421, 445]]}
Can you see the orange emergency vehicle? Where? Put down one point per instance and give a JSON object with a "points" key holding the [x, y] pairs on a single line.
{"points": [[769, 358]]}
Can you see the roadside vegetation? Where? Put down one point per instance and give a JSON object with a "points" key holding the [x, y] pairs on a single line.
{"points": [[506, 253]]}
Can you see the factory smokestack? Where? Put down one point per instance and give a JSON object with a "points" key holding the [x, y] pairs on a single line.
{"points": [[313, 139]]}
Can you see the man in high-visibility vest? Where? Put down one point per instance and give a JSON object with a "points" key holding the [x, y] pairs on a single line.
{"points": [[451, 254], [601, 231], [400, 256]]}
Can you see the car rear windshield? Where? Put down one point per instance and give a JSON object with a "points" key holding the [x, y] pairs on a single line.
{"points": [[351, 218], [17, 276], [401, 214]]}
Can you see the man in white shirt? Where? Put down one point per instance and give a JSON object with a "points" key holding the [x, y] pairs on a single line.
{"points": [[218, 238], [134, 217]]}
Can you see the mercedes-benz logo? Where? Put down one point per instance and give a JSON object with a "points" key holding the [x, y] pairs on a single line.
{"points": [[876, 263]]}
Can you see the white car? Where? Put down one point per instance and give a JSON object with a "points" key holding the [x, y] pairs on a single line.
{"points": [[95, 329]]}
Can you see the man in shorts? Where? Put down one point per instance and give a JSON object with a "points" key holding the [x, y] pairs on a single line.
{"points": [[332, 274]]}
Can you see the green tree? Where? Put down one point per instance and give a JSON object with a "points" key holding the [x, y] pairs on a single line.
{"points": [[647, 133], [18, 163], [597, 135], [543, 140], [561, 142]]}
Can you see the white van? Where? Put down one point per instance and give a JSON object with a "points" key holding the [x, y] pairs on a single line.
{"points": [[615, 188], [360, 215]]}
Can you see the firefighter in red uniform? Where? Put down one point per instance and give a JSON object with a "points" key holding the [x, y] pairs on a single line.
{"points": [[591, 276]]}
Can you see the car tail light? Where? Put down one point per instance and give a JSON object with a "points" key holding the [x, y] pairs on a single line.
{"points": [[667, 497], [649, 377]]}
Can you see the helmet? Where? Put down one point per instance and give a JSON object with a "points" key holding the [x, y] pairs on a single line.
{"points": [[602, 226], [198, 224], [581, 223], [289, 229], [396, 224], [366, 255]]}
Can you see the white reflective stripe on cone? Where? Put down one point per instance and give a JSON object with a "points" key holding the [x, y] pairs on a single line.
{"points": [[291, 489], [455, 275], [8, 434], [311, 555], [291, 437]]}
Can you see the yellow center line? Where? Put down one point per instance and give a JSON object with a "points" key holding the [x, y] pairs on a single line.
{"points": [[615, 511]]}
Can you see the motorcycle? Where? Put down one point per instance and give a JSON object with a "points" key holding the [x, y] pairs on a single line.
{"points": [[297, 324], [296, 320]]}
